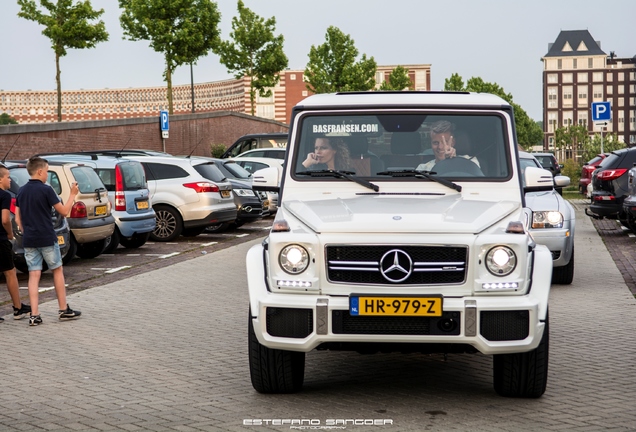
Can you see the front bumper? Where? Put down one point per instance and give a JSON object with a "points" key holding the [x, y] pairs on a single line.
{"points": [[472, 313], [560, 242]]}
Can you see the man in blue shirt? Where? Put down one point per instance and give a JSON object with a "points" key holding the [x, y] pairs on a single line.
{"points": [[33, 216]]}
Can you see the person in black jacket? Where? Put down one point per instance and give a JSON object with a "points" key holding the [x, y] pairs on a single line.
{"points": [[329, 153]]}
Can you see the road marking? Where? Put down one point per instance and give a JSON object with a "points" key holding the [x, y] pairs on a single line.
{"points": [[154, 254], [170, 255], [631, 235], [100, 268], [133, 254], [116, 269], [208, 244]]}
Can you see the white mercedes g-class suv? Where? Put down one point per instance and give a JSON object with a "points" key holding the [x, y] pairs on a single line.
{"points": [[402, 227]]}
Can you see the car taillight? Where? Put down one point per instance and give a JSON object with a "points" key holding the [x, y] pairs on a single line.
{"points": [[12, 207], [120, 196], [201, 187], [78, 210], [611, 174]]}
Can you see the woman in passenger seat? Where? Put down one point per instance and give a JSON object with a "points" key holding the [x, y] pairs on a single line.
{"points": [[329, 153]]}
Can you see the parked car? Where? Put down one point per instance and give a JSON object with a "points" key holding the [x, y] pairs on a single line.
{"points": [[548, 161], [184, 199], [629, 203], [253, 164], [553, 223], [274, 153], [256, 141], [19, 176], [125, 181], [90, 219], [609, 183], [588, 169], [236, 171]]}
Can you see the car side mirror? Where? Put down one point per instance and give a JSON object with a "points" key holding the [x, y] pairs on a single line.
{"points": [[265, 179], [538, 179], [561, 181]]}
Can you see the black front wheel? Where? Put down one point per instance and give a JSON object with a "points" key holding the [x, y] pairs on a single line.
{"points": [[91, 249], [135, 241], [523, 375], [274, 370]]}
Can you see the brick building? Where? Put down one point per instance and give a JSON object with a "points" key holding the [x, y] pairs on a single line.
{"points": [[578, 72], [31, 107]]}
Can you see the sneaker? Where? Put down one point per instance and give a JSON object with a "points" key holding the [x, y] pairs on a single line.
{"points": [[68, 314], [35, 320], [21, 312], [1, 319]]}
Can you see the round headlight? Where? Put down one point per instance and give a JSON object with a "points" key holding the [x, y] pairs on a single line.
{"points": [[294, 259], [501, 260]]}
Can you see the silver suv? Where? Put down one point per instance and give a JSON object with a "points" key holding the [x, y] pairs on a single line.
{"points": [[184, 199], [425, 250]]}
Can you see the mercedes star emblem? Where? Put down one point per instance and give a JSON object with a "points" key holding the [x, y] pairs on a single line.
{"points": [[396, 265]]}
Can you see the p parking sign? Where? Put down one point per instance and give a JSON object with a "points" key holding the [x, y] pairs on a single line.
{"points": [[165, 125], [601, 111]]}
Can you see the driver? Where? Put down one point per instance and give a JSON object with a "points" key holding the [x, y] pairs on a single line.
{"points": [[443, 145]]}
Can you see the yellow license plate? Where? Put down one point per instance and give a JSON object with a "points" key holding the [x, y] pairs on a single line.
{"points": [[266, 204], [225, 193], [60, 240], [141, 205], [395, 306], [100, 210]]}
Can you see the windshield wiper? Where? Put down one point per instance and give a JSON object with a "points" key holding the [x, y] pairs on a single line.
{"points": [[347, 175], [422, 174]]}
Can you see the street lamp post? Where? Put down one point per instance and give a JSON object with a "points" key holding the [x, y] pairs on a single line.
{"points": [[192, 86]]}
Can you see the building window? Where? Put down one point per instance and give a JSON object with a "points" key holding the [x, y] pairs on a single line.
{"points": [[597, 76], [567, 77], [552, 97], [559, 64], [567, 96], [598, 93], [621, 102], [574, 63], [292, 77], [632, 76], [582, 95], [632, 88], [581, 77], [632, 101], [304, 93], [621, 76], [552, 121], [567, 119], [582, 118], [610, 89], [265, 111], [553, 78], [379, 77], [609, 76], [621, 89]]}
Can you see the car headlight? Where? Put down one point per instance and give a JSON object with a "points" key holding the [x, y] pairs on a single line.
{"points": [[244, 192], [547, 219], [501, 260], [294, 259]]}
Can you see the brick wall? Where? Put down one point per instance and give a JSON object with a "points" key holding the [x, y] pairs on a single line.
{"points": [[186, 131]]}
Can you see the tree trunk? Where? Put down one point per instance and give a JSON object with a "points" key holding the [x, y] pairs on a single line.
{"points": [[169, 81], [59, 87]]}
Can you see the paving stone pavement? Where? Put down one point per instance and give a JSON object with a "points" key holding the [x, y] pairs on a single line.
{"points": [[167, 350]]}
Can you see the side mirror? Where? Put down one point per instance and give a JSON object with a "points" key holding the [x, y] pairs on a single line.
{"points": [[561, 181], [560, 166], [266, 179], [538, 179]]}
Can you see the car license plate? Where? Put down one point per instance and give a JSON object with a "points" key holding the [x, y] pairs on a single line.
{"points": [[395, 306], [60, 240], [225, 193], [141, 205], [100, 210], [266, 204]]}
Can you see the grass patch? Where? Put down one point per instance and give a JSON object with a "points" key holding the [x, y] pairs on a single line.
{"points": [[571, 195]]}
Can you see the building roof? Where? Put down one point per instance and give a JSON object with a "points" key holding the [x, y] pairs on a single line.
{"points": [[574, 43]]}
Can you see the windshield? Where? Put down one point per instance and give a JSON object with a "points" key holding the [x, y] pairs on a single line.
{"points": [[470, 147], [210, 171], [234, 170]]}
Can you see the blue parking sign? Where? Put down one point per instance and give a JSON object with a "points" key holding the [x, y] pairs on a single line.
{"points": [[163, 118], [601, 111]]}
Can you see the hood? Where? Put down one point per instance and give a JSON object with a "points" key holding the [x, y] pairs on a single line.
{"points": [[543, 201], [400, 214]]}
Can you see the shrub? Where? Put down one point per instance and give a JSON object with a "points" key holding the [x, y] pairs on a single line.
{"points": [[217, 150], [573, 170]]}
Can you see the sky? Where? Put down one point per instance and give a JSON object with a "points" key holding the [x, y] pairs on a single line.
{"points": [[501, 41]]}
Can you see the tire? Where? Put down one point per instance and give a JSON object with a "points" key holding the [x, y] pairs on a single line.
{"points": [[134, 242], [112, 242], [218, 228], [71, 251], [192, 232], [91, 249], [273, 370], [564, 275], [523, 375], [631, 222], [169, 224], [20, 263]]}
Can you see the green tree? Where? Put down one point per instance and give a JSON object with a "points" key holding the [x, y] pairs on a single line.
{"points": [[332, 66], [529, 133], [68, 25], [593, 146], [182, 30], [6, 119], [255, 52], [572, 137], [398, 80]]}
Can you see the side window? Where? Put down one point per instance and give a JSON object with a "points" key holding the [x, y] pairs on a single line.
{"points": [[241, 147], [133, 176], [107, 177], [251, 167], [160, 171], [54, 181]]}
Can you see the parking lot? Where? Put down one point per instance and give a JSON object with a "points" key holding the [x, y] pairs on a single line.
{"points": [[166, 350]]}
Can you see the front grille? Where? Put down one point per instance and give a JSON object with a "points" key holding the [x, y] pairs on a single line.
{"points": [[504, 325], [416, 265], [290, 323], [343, 323]]}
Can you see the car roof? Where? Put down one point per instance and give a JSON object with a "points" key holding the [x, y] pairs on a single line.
{"points": [[404, 98]]}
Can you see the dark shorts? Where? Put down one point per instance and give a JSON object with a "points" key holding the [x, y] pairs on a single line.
{"points": [[6, 255]]}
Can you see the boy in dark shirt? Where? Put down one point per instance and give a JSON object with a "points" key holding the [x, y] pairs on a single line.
{"points": [[33, 216], [6, 248]]}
